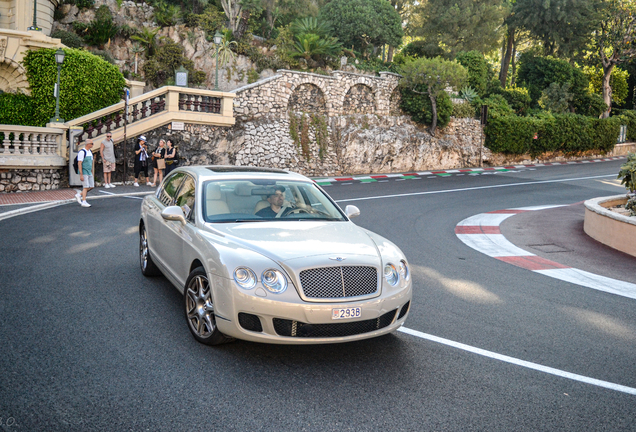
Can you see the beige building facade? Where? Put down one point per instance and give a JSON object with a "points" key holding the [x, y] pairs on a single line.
{"points": [[16, 17]]}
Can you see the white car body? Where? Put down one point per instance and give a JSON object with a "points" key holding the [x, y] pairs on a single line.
{"points": [[179, 240]]}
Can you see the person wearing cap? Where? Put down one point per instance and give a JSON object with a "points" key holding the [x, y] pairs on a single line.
{"points": [[141, 160], [107, 151], [85, 168]]}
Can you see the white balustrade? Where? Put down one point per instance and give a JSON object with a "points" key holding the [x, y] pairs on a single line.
{"points": [[26, 146]]}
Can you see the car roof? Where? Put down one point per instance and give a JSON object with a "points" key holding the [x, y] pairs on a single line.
{"points": [[225, 172]]}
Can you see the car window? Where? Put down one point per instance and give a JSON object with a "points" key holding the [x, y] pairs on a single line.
{"points": [[169, 189], [185, 197], [253, 200]]}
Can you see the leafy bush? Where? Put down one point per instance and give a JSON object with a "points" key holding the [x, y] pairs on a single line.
{"points": [[518, 99], [628, 117], [478, 70], [627, 173], [587, 104], [17, 109], [618, 83], [160, 68], [69, 39], [87, 82], [537, 73], [100, 30], [568, 133], [556, 98], [497, 106], [423, 49], [463, 110], [421, 111], [211, 20]]}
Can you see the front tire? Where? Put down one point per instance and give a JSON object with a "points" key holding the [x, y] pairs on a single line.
{"points": [[148, 266], [199, 309]]}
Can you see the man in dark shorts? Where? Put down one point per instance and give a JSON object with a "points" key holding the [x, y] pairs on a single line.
{"points": [[275, 200]]}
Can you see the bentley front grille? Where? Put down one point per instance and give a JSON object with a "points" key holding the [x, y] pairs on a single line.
{"points": [[339, 282]]}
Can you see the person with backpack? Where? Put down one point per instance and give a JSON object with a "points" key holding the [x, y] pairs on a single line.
{"points": [[85, 170], [172, 157]]}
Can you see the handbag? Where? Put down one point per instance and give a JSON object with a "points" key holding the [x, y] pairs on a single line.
{"points": [[161, 164]]}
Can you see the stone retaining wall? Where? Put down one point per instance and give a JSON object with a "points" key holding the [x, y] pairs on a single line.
{"points": [[29, 180]]}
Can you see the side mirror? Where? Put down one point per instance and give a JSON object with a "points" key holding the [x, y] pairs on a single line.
{"points": [[173, 213], [352, 211]]}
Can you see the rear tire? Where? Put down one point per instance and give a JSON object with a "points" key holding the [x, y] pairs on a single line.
{"points": [[148, 267], [199, 309]]}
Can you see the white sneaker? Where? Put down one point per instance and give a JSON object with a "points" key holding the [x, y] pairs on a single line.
{"points": [[111, 185], [78, 197], [106, 185], [85, 204], [148, 184], [136, 184]]}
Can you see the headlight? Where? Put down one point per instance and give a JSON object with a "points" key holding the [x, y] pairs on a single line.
{"points": [[391, 274], [274, 281], [245, 278], [404, 270]]}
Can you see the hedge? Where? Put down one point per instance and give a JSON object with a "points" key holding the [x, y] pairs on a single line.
{"points": [[87, 82], [568, 133], [17, 109]]}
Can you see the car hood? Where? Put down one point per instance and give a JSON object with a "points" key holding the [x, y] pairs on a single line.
{"points": [[283, 241]]}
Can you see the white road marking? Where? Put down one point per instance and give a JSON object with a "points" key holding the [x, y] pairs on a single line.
{"points": [[518, 362], [591, 280], [493, 245], [473, 188]]}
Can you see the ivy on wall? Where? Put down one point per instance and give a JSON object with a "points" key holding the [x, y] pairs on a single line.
{"points": [[299, 127], [87, 83]]}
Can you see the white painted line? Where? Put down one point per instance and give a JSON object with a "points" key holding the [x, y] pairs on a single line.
{"points": [[106, 192], [346, 184], [425, 173], [474, 188], [493, 245], [451, 171], [34, 208], [594, 281], [486, 219], [432, 177], [522, 363], [541, 207]]}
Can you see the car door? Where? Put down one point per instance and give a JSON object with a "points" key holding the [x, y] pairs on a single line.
{"points": [[165, 198], [177, 237]]}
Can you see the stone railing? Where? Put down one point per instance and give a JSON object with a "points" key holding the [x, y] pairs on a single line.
{"points": [[34, 147], [157, 108]]}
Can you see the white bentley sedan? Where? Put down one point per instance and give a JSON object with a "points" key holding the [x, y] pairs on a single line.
{"points": [[266, 255]]}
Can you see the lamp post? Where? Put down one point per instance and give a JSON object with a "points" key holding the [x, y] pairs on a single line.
{"points": [[59, 59], [218, 37], [35, 22]]}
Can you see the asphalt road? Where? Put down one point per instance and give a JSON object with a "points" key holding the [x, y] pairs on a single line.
{"points": [[88, 343]]}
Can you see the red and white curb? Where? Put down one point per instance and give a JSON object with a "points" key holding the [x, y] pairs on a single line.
{"points": [[481, 232]]}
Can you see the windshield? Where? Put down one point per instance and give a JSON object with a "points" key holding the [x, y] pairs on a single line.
{"points": [[266, 200]]}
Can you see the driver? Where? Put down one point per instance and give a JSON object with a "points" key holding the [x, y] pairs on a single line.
{"points": [[275, 199]]}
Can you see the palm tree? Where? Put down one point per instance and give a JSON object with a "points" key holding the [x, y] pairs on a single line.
{"points": [[136, 50], [148, 38]]}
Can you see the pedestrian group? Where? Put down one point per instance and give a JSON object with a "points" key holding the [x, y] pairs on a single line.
{"points": [[163, 159]]}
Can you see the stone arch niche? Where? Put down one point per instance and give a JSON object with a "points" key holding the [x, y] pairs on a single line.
{"points": [[307, 98], [359, 100], [394, 102], [12, 77]]}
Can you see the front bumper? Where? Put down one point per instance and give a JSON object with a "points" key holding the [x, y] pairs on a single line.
{"points": [[271, 321]]}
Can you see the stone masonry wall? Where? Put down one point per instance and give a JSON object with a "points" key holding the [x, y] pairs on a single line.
{"points": [[29, 180]]}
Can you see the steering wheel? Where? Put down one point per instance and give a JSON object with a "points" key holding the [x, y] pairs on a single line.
{"points": [[298, 210]]}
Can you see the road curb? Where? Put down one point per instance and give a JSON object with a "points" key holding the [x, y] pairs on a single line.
{"points": [[482, 233]]}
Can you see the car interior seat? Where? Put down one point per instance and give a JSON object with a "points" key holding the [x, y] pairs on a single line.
{"points": [[214, 204]]}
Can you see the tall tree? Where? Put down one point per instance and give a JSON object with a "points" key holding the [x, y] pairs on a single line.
{"points": [[461, 25], [562, 26], [360, 23], [431, 77]]}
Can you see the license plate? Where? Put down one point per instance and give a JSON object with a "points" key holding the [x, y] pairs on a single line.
{"points": [[346, 313]]}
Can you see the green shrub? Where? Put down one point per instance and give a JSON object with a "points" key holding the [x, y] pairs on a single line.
{"points": [[69, 39], [105, 55], [87, 82], [160, 68], [17, 109], [497, 106], [463, 110], [568, 133], [423, 49], [537, 73], [627, 173], [100, 30], [419, 107], [587, 104], [518, 99], [628, 117], [478, 70], [211, 20]]}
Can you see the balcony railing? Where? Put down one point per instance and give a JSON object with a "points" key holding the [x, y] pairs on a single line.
{"points": [[37, 147]]}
